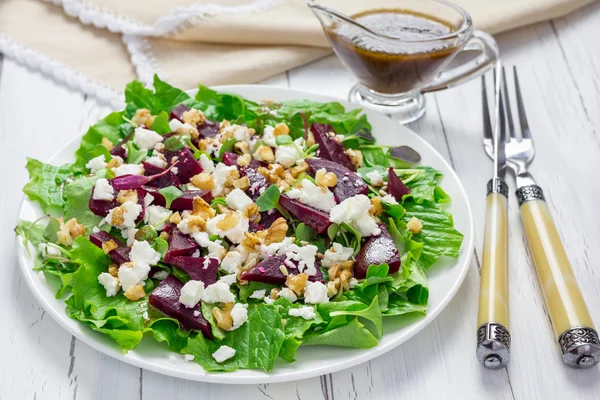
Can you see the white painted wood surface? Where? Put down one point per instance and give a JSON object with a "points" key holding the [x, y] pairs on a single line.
{"points": [[557, 62]]}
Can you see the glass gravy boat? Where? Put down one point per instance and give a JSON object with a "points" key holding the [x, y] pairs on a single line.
{"points": [[398, 49]]}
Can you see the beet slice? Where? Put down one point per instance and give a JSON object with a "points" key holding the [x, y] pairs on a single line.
{"points": [[177, 112], [169, 179], [101, 207], [258, 183], [180, 244], [208, 129], [316, 219], [230, 159], [349, 183], [187, 165], [119, 255], [396, 187], [329, 148], [182, 203], [267, 271], [196, 268], [377, 250], [165, 298]]}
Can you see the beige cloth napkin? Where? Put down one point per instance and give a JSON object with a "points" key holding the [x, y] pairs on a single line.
{"points": [[110, 42]]}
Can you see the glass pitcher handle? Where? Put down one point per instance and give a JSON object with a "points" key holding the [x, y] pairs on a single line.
{"points": [[479, 40]]}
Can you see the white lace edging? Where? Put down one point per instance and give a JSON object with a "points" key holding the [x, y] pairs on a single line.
{"points": [[142, 58], [60, 72], [178, 19]]}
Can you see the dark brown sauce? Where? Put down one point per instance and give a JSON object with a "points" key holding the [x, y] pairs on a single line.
{"points": [[389, 66]]}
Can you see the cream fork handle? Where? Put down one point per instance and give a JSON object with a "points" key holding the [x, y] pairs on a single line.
{"points": [[569, 314]]}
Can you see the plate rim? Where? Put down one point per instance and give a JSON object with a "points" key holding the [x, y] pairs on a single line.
{"points": [[87, 337]]}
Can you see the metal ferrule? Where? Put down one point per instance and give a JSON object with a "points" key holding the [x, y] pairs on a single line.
{"points": [[528, 193], [493, 345], [497, 185], [580, 347]]}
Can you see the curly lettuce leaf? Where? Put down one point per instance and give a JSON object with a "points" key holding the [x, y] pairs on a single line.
{"points": [[354, 334], [77, 196], [46, 185]]}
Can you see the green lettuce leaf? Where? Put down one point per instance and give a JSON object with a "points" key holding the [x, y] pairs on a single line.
{"points": [[423, 184], [46, 185], [354, 334], [112, 127], [77, 196]]}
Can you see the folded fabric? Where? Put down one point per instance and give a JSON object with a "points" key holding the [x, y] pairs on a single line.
{"points": [[99, 45]]}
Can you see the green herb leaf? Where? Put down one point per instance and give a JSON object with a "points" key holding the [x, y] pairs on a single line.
{"points": [[305, 233], [226, 147], [170, 193], [269, 199], [135, 155], [161, 123], [354, 334], [283, 140], [176, 142]]}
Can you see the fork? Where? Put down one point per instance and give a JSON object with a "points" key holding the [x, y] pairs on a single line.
{"points": [[571, 320]]}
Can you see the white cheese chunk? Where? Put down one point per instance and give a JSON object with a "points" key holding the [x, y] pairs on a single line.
{"points": [[315, 293], [130, 212], [239, 315], [304, 312], [129, 169], [231, 261], [288, 294], [96, 164], [312, 195], [238, 200], [258, 294], [110, 283], [103, 190], [234, 234], [218, 293], [133, 273], [206, 164], [355, 212], [146, 138], [157, 216], [336, 255], [142, 251], [191, 293], [223, 353], [157, 161], [388, 198]]}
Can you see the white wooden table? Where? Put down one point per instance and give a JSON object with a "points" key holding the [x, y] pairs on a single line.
{"points": [[557, 63]]}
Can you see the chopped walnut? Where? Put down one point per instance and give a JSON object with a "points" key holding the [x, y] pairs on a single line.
{"points": [[109, 246], [175, 218], [127, 195], [297, 282], [252, 213], [264, 153], [69, 230], [117, 216], [195, 223], [242, 147], [164, 236], [230, 221], [144, 117], [232, 176], [202, 209], [114, 163], [107, 144], [251, 240], [75, 228], [414, 225], [277, 231], [281, 129], [135, 293], [347, 265], [242, 183], [299, 168], [244, 160], [376, 207], [310, 139], [187, 129], [326, 179], [356, 157], [274, 174], [333, 271], [274, 294], [344, 278], [223, 316], [332, 290], [203, 181], [113, 269], [193, 117]]}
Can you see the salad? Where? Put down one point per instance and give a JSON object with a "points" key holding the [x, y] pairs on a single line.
{"points": [[232, 231]]}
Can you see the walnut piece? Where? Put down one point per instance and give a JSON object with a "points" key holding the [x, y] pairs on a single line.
{"points": [[193, 117], [251, 240], [281, 129], [135, 293], [242, 183], [144, 117], [202, 209], [223, 316], [356, 157], [376, 207], [127, 195], [230, 221], [114, 163], [113, 269], [109, 246], [297, 282], [298, 169], [203, 181], [252, 213], [175, 218], [414, 225], [244, 160], [264, 153], [326, 179], [277, 231], [69, 230]]}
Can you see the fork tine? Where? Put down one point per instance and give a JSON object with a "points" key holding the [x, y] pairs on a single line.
{"points": [[525, 132], [487, 124], [502, 116], [506, 100]]}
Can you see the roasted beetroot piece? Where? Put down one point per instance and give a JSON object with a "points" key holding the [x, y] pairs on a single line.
{"points": [[396, 187], [119, 255], [187, 166], [377, 250], [258, 183], [349, 183], [329, 148], [230, 158], [165, 298], [119, 149], [180, 244], [208, 129], [101, 207], [268, 271], [198, 268], [177, 112], [316, 219], [169, 179], [182, 203], [266, 219]]}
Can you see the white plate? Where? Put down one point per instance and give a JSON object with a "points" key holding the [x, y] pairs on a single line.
{"points": [[444, 279]]}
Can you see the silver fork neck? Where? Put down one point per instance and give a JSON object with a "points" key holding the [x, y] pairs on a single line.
{"points": [[522, 176]]}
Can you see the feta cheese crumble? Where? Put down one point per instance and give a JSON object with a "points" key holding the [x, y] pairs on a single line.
{"points": [[388, 198], [235, 233], [287, 156], [157, 161], [223, 353], [336, 255], [231, 261], [258, 294], [143, 252], [288, 294], [239, 315], [103, 190], [355, 212], [191, 293], [214, 248], [125, 217], [315, 293], [157, 216], [133, 273], [129, 169], [220, 177], [206, 164], [315, 196], [218, 293], [375, 178], [188, 357], [145, 138], [228, 279], [110, 283], [304, 312], [96, 164], [238, 200]]}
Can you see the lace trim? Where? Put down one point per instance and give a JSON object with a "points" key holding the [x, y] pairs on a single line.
{"points": [[60, 72], [177, 20], [143, 59]]}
